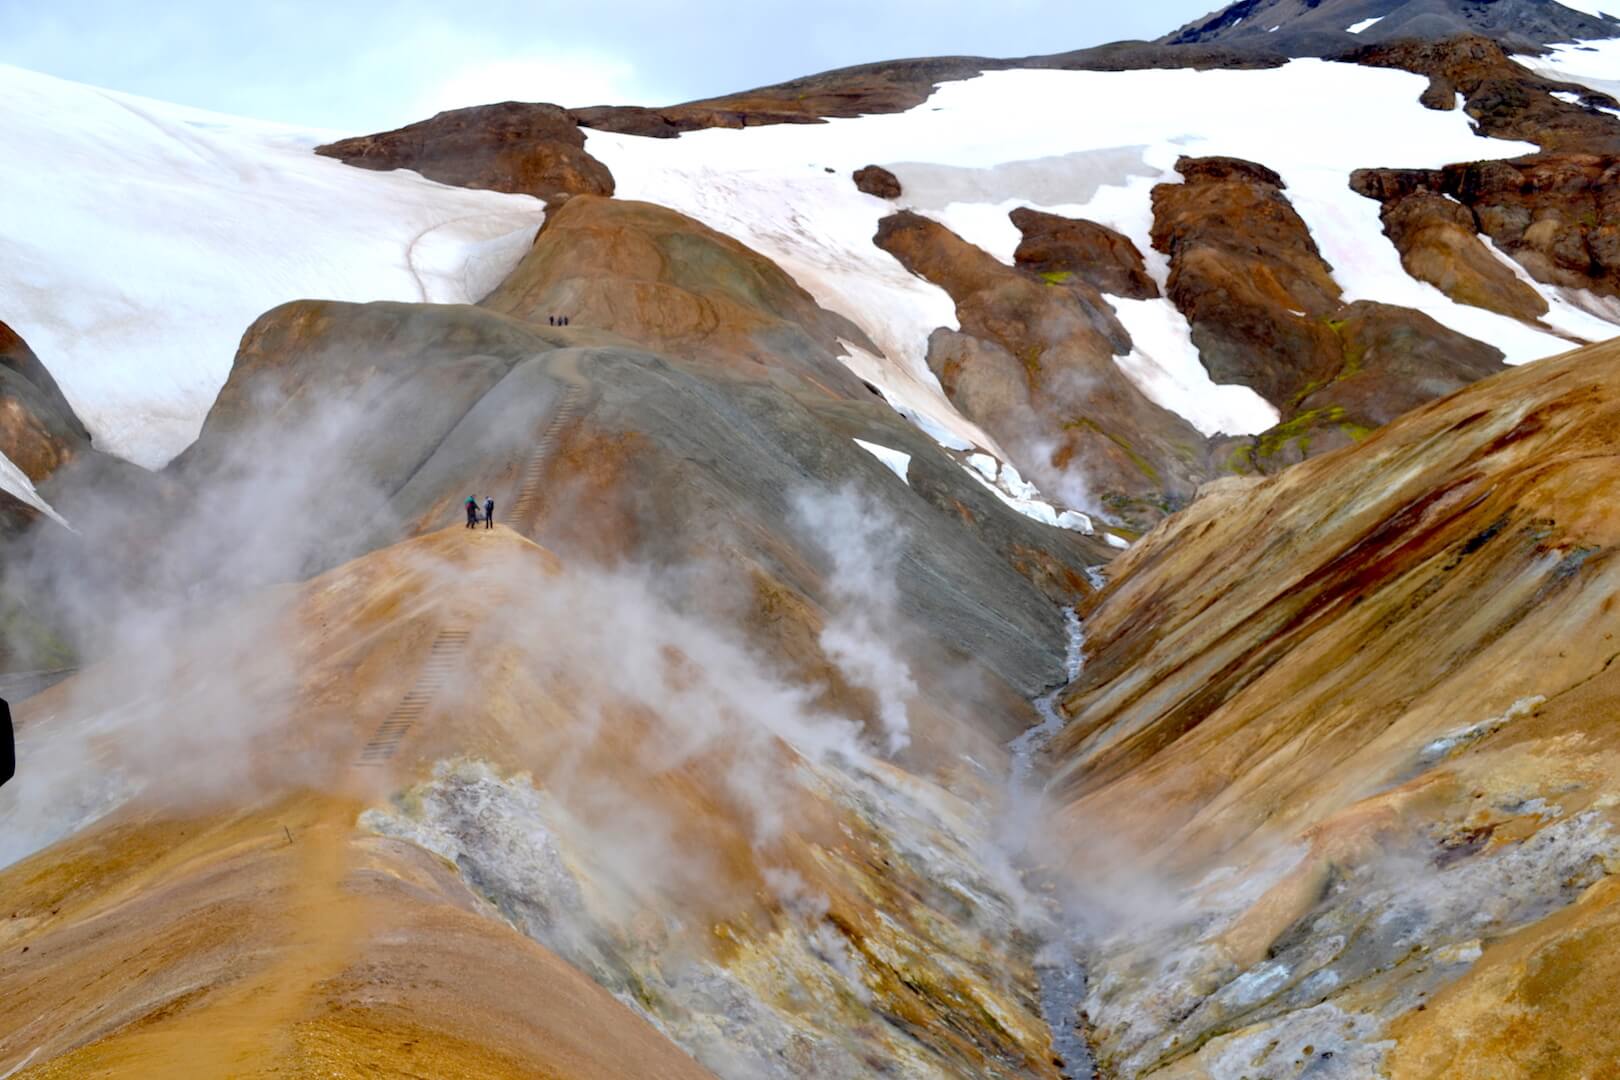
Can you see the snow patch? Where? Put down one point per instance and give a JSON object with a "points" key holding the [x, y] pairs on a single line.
{"points": [[1570, 311], [1164, 365], [917, 399], [1364, 24], [1008, 485], [896, 461]]}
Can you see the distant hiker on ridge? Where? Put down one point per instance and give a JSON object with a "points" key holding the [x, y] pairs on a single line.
{"points": [[472, 511], [489, 511]]}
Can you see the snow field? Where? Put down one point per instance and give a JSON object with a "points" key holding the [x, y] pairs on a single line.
{"points": [[1081, 144], [896, 461], [142, 239], [1595, 64]]}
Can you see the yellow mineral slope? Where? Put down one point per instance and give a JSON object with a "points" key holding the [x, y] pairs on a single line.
{"points": [[1352, 728], [256, 932], [454, 810]]}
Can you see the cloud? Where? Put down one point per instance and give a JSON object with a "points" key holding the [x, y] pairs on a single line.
{"points": [[357, 66]]}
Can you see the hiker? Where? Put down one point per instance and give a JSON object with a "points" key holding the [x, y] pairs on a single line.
{"points": [[551, 320], [489, 512], [472, 512], [565, 320]]}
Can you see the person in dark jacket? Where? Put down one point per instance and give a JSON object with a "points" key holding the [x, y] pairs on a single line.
{"points": [[489, 512], [472, 512]]}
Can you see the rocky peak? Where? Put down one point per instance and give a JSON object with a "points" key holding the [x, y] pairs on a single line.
{"points": [[1328, 27]]}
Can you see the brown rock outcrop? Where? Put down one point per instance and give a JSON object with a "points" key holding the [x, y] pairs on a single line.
{"points": [[1248, 276], [1053, 246], [1059, 339], [38, 429], [519, 147], [1371, 697], [1394, 360], [1440, 244], [1265, 311], [876, 180], [1557, 214]]}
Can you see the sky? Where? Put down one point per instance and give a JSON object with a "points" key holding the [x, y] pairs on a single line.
{"points": [[364, 65]]}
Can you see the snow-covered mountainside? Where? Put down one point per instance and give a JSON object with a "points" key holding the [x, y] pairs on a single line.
{"points": [[136, 298], [983, 147], [141, 238], [141, 354]]}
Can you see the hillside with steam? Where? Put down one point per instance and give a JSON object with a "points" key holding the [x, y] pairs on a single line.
{"points": [[1082, 565]]}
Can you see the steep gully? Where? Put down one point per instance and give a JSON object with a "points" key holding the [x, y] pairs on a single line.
{"points": [[1058, 967]]}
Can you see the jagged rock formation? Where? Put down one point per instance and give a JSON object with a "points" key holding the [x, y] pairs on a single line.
{"points": [[876, 180], [1034, 365], [1058, 248], [527, 149], [1373, 687], [1265, 311], [1558, 215]]}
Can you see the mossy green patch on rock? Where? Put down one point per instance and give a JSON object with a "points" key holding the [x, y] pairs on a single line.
{"points": [[1271, 449]]}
